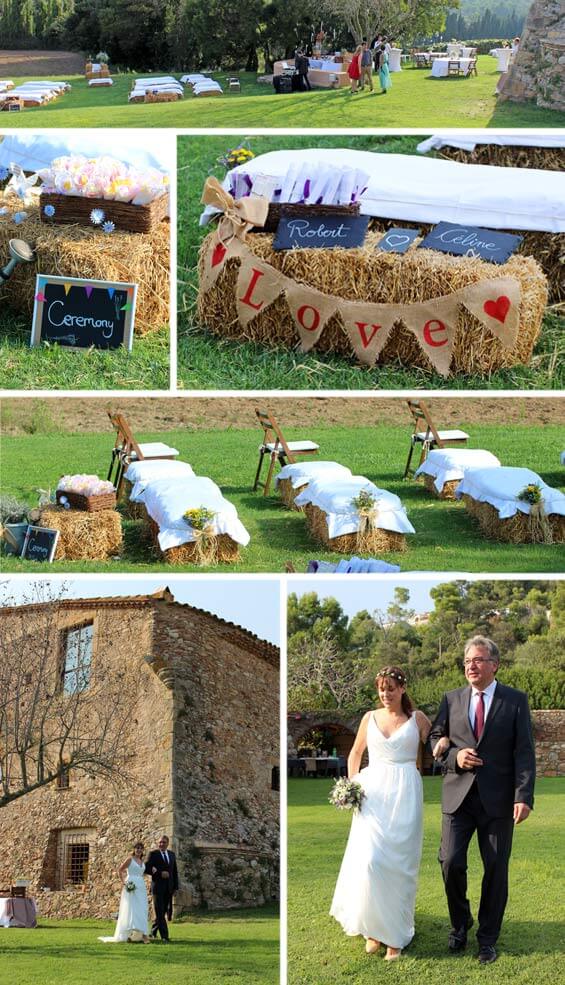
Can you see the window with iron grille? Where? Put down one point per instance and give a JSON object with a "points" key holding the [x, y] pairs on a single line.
{"points": [[73, 857], [77, 659], [63, 780]]}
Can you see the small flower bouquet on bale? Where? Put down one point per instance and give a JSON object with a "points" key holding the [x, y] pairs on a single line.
{"points": [[235, 156], [130, 886], [530, 494], [365, 505], [540, 527], [347, 795], [201, 521]]}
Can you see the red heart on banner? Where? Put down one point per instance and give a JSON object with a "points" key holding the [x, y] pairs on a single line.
{"points": [[498, 309], [218, 254]]}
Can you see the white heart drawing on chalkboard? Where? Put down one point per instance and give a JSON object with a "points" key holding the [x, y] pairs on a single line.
{"points": [[397, 239]]}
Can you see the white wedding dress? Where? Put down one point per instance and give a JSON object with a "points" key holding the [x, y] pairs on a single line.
{"points": [[134, 909], [376, 887]]}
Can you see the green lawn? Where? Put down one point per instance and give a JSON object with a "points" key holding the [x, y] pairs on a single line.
{"points": [[208, 362], [446, 537], [415, 100], [237, 948], [531, 942], [52, 367]]}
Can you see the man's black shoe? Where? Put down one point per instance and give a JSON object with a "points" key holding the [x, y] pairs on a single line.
{"points": [[457, 940], [487, 954]]}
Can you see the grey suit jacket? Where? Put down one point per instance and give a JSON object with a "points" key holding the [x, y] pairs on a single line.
{"points": [[506, 748]]}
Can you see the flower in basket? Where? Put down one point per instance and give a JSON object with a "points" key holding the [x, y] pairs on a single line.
{"points": [[200, 518], [347, 795], [130, 886], [531, 494]]}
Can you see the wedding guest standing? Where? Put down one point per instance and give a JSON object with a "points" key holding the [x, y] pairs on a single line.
{"points": [[366, 67], [302, 65], [381, 62], [354, 70]]}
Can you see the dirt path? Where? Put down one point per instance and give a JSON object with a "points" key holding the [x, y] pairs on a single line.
{"points": [[40, 63], [149, 414]]}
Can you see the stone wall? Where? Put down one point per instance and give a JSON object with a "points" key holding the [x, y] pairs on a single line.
{"points": [[549, 732], [538, 70]]}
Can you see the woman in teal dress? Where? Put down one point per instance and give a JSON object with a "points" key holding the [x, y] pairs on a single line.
{"points": [[384, 73]]}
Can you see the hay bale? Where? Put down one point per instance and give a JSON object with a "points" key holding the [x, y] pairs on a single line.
{"points": [[448, 491], [376, 542], [227, 550], [134, 511], [542, 158], [288, 494], [77, 251], [514, 529], [367, 275], [84, 536]]}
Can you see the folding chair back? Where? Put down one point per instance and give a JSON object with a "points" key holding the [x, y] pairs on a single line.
{"points": [[276, 446], [126, 449], [427, 435], [454, 68]]}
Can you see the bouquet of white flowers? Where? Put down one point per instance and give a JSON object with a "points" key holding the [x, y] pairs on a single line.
{"points": [[130, 886], [346, 795]]}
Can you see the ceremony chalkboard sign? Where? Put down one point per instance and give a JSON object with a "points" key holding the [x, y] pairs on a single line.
{"points": [[78, 314], [40, 544], [462, 240], [320, 232], [397, 240]]}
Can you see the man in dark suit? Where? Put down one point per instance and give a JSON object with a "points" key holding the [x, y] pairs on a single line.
{"points": [[488, 787], [161, 865]]}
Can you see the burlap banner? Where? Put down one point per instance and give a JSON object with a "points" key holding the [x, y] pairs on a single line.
{"points": [[494, 302]]}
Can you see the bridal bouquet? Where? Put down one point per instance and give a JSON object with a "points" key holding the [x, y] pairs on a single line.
{"points": [[346, 795], [130, 886]]}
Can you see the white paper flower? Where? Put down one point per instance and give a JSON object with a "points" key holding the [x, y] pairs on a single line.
{"points": [[97, 217]]}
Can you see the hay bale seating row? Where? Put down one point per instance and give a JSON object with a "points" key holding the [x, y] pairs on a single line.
{"points": [[163, 89], [84, 536], [491, 497], [293, 479], [444, 468], [334, 522], [137, 477], [79, 251]]}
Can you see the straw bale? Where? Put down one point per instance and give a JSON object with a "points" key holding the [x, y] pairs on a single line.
{"points": [[288, 494], [376, 542], [514, 529], [77, 251], [541, 158], [448, 491], [84, 536], [134, 511], [227, 550], [368, 275]]}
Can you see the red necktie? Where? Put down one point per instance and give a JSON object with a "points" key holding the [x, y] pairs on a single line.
{"points": [[479, 716]]}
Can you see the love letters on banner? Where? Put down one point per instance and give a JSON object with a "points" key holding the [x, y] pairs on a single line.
{"points": [[494, 302]]}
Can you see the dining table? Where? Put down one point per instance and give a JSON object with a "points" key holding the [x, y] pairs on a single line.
{"points": [[440, 66]]}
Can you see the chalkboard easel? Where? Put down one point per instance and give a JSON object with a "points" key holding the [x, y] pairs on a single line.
{"points": [[40, 544]]}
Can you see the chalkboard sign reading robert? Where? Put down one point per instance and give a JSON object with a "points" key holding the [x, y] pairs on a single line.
{"points": [[78, 314], [462, 240], [320, 232], [40, 544]]}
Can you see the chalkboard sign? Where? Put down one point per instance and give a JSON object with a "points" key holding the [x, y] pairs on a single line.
{"points": [[397, 240], [320, 232], [40, 544], [462, 240], [78, 314]]}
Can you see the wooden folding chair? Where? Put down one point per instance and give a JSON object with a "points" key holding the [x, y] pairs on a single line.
{"points": [[126, 449], [429, 437], [454, 67], [278, 449], [472, 67]]}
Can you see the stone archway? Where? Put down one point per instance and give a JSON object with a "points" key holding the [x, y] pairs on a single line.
{"points": [[340, 730]]}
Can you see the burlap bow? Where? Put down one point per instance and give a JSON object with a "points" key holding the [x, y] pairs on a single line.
{"points": [[239, 216]]}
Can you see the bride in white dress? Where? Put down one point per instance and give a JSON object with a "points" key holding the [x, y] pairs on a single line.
{"points": [[376, 887], [134, 910]]}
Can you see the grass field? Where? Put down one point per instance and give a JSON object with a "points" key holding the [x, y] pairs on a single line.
{"points": [[208, 362], [446, 537], [415, 100], [237, 948], [52, 367], [531, 943]]}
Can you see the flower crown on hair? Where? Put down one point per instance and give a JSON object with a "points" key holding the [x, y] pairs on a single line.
{"points": [[401, 678]]}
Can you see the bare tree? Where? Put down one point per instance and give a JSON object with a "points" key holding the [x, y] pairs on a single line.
{"points": [[63, 704], [364, 18], [317, 669]]}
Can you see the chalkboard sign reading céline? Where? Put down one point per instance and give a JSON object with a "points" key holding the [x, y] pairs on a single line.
{"points": [[79, 314], [472, 240], [40, 544]]}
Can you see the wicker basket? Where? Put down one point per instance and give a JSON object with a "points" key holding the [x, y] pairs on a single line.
{"points": [[76, 209], [90, 504], [279, 209]]}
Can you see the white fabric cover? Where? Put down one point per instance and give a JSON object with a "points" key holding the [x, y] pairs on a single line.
{"points": [[301, 473], [100, 82], [202, 87], [335, 501], [31, 95], [453, 435], [500, 487], [448, 464], [293, 446], [156, 80], [503, 56], [156, 449], [422, 189], [358, 565], [192, 78], [33, 151], [468, 141], [166, 500], [440, 66], [146, 471]]}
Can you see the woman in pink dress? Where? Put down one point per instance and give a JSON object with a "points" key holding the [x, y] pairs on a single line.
{"points": [[354, 70]]}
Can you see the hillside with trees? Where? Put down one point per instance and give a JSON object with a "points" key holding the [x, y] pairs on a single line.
{"points": [[332, 660]]}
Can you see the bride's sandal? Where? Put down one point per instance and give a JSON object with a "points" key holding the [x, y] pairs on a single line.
{"points": [[392, 954], [372, 946]]}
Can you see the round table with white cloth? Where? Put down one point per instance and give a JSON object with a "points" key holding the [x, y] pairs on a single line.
{"points": [[394, 60], [448, 464], [335, 500], [503, 56], [440, 66]]}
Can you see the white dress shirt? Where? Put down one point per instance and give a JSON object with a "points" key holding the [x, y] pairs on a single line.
{"points": [[488, 696]]}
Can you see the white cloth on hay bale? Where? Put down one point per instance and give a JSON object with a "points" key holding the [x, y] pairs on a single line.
{"points": [[342, 518], [500, 488], [423, 189], [140, 474], [156, 80], [301, 473], [201, 87], [192, 78], [447, 464], [470, 142], [100, 82], [166, 501]]}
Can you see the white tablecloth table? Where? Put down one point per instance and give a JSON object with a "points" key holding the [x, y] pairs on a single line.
{"points": [[502, 56], [440, 66], [18, 911], [394, 60]]}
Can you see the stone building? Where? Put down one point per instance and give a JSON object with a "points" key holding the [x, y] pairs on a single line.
{"points": [[201, 734], [538, 70]]}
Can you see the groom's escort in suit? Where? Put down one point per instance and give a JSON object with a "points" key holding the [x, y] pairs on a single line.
{"points": [[162, 887], [483, 799]]}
